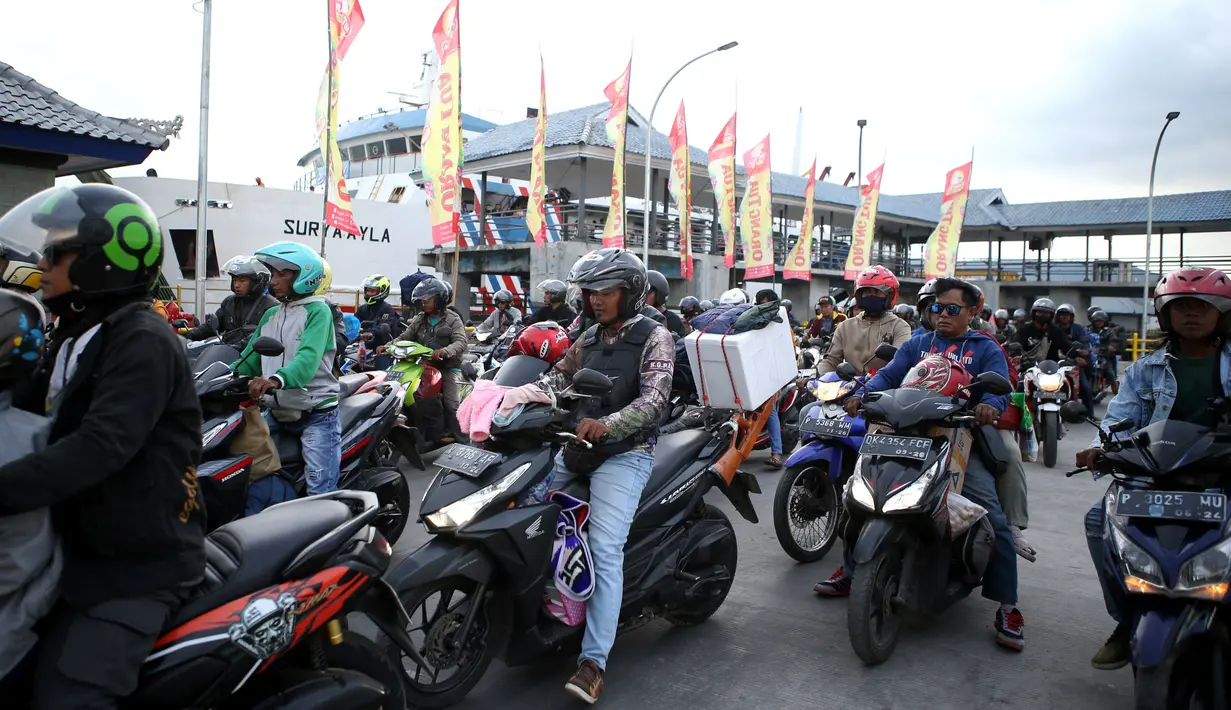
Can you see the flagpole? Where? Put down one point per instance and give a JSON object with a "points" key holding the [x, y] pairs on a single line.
{"points": [[325, 149], [457, 232], [202, 247]]}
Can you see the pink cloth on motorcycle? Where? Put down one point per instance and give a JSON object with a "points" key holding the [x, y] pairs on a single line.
{"points": [[474, 414], [526, 394]]}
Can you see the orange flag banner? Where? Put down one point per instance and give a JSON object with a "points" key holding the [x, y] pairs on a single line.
{"points": [[442, 136], [680, 185], [940, 255], [617, 126], [799, 261], [722, 177], [756, 214], [536, 216], [864, 229]]}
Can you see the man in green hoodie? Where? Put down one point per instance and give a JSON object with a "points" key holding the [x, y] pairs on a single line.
{"points": [[298, 386]]}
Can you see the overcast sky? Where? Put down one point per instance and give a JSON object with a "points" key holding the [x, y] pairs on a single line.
{"points": [[1060, 100]]}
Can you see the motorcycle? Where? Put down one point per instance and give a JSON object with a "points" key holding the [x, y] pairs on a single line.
{"points": [[266, 627], [1167, 543], [808, 504], [1049, 385], [370, 433], [479, 582], [421, 383], [898, 502]]}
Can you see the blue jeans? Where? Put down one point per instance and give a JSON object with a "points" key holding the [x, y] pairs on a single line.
{"points": [[775, 432], [615, 490], [320, 438], [382, 362], [1000, 579], [1086, 384], [1114, 597]]}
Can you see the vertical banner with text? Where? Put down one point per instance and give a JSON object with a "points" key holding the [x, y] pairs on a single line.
{"points": [[617, 126], [345, 20], [799, 261], [680, 185], [442, 136], [756, 213], [864, 228], [722, 177], [940, 255], [536, 216]]}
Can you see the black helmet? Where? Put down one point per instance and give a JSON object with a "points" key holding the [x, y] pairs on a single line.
{"points": [[786, 303], [430, 287], [503, 296], [1098, 314], [706, 305], [1045, 305], [659, 285], [115, 234], [690, 306], [251, 268], [1092, 310], [986, 312], [607, 268], [554, 290], [21, 337]]}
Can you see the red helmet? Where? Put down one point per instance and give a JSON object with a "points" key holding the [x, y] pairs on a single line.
{"points": [[1209, 285], [547, 341], [881, 279], [938, 374]]}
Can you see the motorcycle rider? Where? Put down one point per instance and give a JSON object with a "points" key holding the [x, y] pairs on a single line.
{"points": [[1109, 344], [827, 318], [1019, 318], [640, 356], [906, 312], [690, 308], [300, 383], [1066, 321], [239, 313], [1040, 338], [957, 302], [791, 319], [1176, 381], [119, 468], [1005, 331], [706, 305], [380, 314], [431, 299], [855, 340], [925, 299], [557, 308], [503, 316], [656, 300]]}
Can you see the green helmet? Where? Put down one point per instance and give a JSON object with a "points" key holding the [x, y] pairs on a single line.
{"points": [[114, 233]]}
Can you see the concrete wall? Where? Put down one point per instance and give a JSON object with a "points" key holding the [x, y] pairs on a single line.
{"points": [[18, 182]]}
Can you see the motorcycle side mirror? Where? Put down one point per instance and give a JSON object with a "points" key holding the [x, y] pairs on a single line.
{"points": [[885, 352], [994, 383], [847, 371], [212, 319], [179, 323], [1073, 412], [266, 346], [591, 382]]}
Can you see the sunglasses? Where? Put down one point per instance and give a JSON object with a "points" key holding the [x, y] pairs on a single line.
{"points": [[53, 253], [949, 309]]}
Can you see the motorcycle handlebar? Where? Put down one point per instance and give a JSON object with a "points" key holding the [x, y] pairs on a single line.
{"points": [[567, 435]]}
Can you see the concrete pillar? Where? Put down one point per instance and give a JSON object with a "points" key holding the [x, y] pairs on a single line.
{"points": [[19, 182]]}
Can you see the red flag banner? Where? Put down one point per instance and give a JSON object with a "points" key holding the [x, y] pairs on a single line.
{"points": [[349, 19], [617, 126], [756, 215], [442, 136], [799, 261], [864, 228], [536, 216], [722, 177], [681, 188]]}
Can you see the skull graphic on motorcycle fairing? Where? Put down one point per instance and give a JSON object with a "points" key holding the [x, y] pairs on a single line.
{"points": [[265, 626]]}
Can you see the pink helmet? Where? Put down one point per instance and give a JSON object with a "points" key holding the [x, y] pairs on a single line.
{"points": [[1202, 282]]}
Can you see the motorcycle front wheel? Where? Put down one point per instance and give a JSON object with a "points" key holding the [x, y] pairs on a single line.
{"points": [[455, 665], [806, 512], [1051, 432], [871, 620]]}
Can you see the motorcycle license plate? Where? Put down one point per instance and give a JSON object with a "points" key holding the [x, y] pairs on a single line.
{"points": [[906, 447], [819, 425], [1202, 507], [467, 460]]}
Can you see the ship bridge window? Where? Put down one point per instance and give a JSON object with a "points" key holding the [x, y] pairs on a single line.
{"points": [[357, 152], [185, 243], [398, 192], [375, 150], [416, 144], [396, 146]]}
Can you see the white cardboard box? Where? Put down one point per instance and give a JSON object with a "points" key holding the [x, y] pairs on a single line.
{"points": [[761, 362]]}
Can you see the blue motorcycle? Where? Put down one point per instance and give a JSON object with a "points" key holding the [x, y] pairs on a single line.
{"points": [[808, 502], [1167, 550]]}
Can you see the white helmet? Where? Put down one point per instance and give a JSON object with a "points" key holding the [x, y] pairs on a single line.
{"points": [[734, 297]]}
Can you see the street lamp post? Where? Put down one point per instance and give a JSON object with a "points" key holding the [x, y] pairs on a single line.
{"points": [[1145, 289], [649, 137], [859, 166]]}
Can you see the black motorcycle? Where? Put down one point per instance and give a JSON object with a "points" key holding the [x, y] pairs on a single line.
{"points": [[476, 589], [899, 515]]}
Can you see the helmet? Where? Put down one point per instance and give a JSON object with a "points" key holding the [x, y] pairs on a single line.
{"points": [[786, 303], [690, 306], [1001, 314], [927, 291], [116, 235], [659, 285], [734, 297], [503, 296], [1090, 312], [1046, 305], [250, 268], [706, 305], [433, 287], [575, 299], [382, 286], [1066, 308], [20, 260], [1204, 283], [904, 311], [979, 301], [607, 268], [938, 374], [554, 290], [326, 280], [547, 341], [881, 279], [293, 256], [21, 275], [1097, 314], [21, 336], [1019, 313], [986, 311]]}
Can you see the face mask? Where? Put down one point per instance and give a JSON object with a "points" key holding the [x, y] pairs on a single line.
{"points": [[874, 305], [1041, 319]]}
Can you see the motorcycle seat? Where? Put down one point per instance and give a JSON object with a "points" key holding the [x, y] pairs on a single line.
{"points": [[250, 554], [347, 384], [671, 454], [352, 409]]}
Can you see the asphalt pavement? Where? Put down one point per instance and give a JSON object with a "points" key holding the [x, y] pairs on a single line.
{"points": [[775, 644]]}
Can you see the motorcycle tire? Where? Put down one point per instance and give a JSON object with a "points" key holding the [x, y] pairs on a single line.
{"points": [[1051, 432], [691, 616], [437, 636], [788, 506], [874, 582], [1151, 688], [357, 653]]}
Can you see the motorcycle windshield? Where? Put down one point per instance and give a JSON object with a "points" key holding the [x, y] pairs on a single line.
{"points": [[905, 408], [520, 370], [1049, 367], [1169, 446]]}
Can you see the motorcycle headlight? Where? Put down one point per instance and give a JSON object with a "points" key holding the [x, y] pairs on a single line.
{"points": [[1050, 383], [830, 391], [859, 489], [398, 353], [459, 513], [909, 496], [1206, 575], [1142, 572]]}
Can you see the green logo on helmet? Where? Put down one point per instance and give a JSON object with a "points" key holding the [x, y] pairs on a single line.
{"points": [[136, 240]]}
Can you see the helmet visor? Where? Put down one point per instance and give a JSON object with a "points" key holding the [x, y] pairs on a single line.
{"points": [[45, 219]]}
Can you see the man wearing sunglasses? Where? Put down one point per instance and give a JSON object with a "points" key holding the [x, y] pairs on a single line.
{"points": [[957, 302]]}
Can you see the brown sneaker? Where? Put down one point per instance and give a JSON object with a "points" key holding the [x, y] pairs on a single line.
{"points": [[586, 683], [775, 460]]}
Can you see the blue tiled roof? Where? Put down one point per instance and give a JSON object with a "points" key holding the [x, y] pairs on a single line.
{"points": [[405, 121], [1188, 207]]}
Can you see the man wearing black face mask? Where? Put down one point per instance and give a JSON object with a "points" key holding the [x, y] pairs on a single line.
{"points": [[856, 339], [1039, 337]]}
